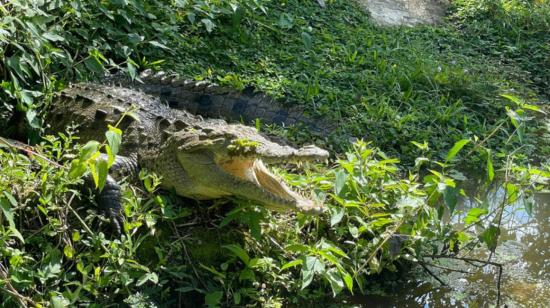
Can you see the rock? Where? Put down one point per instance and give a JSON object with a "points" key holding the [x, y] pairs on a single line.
{"points": [[405, 12]]}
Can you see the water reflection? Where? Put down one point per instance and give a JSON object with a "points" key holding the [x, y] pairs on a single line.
{"points": [[523, 251]]}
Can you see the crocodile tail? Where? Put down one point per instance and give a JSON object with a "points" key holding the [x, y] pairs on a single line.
{"points": [[211, 100]]}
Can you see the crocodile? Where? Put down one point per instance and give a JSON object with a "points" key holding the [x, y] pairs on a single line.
{"points": [[197, 158]]}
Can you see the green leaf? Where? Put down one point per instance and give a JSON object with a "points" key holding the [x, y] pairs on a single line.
{"points": [[237, 298], [297, 248], [512, 193], [354, 232], [103, 171], [340, 181], [474, 214], [58, 301], [94, 65], [159, 45], [490, 237], [336, 215], [456, 148], [53, 37], [422, 146], [490, 168], [88, 150], [239, 252], [68, 251], [77, 169], [450, 196], [208, 24], [153, 277], [348, 280], [307, 39], [513, 98], [247, 274], [292, 264], [76, 236], [92, 165], [286, 21], [32, 119], [213, 298], [514, 117], [8, 213], [335, 279], [114, 138], [312, 265], [131, 69]]}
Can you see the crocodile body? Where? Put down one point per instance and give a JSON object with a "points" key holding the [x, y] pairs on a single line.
{"points": [[211, 100], [197, 158]]}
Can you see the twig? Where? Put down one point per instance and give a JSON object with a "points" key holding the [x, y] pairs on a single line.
{"points": [[498, 265], [432, 274], [476, 146], [443, 267]]}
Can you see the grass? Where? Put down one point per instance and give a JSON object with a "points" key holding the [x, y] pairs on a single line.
{"points": [[389, 85]]}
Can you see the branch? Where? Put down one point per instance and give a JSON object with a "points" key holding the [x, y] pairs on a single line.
{"points": [[498, 265]]}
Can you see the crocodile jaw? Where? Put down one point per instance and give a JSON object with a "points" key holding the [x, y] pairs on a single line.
{"points": [[277, 194]]}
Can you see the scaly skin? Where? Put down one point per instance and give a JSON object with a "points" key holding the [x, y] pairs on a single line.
{"points": [[200, 159], [211, 100]]}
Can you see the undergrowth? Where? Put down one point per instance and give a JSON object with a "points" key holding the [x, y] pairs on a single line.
{"points": [[438, 98], [55, 250]]}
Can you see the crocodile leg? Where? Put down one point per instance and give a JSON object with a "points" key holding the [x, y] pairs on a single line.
{"points": [[110, 198], [109, 201]]}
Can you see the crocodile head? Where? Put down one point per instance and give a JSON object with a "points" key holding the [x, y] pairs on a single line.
{"points": [[224, 160]]}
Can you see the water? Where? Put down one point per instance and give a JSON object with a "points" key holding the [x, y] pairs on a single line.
{"points": [[523, 251]]}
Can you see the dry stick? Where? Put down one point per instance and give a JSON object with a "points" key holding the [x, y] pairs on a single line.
{"points": [[498, 265]]}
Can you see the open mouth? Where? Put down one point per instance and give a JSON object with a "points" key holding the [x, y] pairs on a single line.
{"points": [[276, 193]]}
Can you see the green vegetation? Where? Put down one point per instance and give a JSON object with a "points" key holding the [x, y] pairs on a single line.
{"points": [[467, 94]]}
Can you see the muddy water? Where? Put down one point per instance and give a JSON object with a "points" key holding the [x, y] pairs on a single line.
{"points": [[524, 251]]}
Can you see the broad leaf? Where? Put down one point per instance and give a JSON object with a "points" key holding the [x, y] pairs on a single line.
{"points": [[239, 252], [490, 237], [455, 149]]}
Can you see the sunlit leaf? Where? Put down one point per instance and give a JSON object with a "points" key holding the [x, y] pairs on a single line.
{"points": [[340, 181], [474, 214], [102, 173], [88, 150], [456, 148], [490, 169], [292, 264], [336, 215], [335, 280]]}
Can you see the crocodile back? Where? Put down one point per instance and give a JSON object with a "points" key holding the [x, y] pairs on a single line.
{"points": [[143, 118], [214, 101]]}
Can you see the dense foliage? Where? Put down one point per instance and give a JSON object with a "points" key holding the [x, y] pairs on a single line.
{"points": [[461, 94]]}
